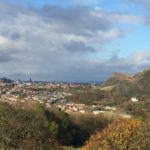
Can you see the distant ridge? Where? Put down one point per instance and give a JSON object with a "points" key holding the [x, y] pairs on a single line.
{"points": [[5, 80], [122, 84], [119, 75]]}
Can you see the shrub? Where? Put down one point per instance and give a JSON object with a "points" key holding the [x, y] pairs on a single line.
{"points": [[20, 129], [114, 137], [141, 139]]}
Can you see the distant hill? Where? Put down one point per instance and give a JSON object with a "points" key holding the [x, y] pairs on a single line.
{"points": [[5, 80], [122, 84]]}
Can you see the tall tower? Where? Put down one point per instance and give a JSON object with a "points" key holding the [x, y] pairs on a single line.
{"points": [[30, 80]]}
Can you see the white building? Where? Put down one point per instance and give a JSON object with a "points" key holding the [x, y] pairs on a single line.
{"points": [[134, 99], [98, 112], [110, 108]]}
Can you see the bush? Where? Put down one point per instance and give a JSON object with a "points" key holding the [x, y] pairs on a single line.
{"points": [[65, 129], [20, 129], [116, 136], [141, 139]]}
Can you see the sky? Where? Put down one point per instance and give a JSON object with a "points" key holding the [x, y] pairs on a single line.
{"points": [[73, 40]]}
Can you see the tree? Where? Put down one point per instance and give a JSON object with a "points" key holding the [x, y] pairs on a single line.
{"points": [[20, 129], [141, 139], [114, 137]]}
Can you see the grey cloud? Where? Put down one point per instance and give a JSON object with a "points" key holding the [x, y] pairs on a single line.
{"points": [[78, 47], [11, 35], [7, 55], [54, 43], [147, 20], [80, 20], [4, 57], [102, 69]]}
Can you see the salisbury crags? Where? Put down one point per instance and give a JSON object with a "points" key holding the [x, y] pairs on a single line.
{"points": [[122, 84]]}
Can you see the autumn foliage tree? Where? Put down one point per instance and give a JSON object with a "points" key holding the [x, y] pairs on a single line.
{"points": [[116, 136], [141, 139]]}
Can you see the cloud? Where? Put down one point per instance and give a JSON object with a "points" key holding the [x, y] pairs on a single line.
{"points": [[79, 47], [54, 42], [147, 20], [126, 18], [142, 3], [5, 57], [77, 19]]}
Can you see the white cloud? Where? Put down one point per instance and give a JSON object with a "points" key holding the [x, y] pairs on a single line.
{"points": [[54, 42], [3, 40]]}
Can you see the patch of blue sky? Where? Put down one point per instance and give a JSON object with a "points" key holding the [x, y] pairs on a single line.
{"points": [[40, 3], [137, 40]]}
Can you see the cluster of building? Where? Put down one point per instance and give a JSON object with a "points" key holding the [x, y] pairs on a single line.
{"points": [[73, 107], [50, 94], [13, 93]]}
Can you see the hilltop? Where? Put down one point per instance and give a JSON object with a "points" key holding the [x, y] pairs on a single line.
{"points": [[123, 84]]}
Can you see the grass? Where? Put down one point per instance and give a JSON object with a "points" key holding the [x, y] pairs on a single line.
{"points": [[70, 148]]}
